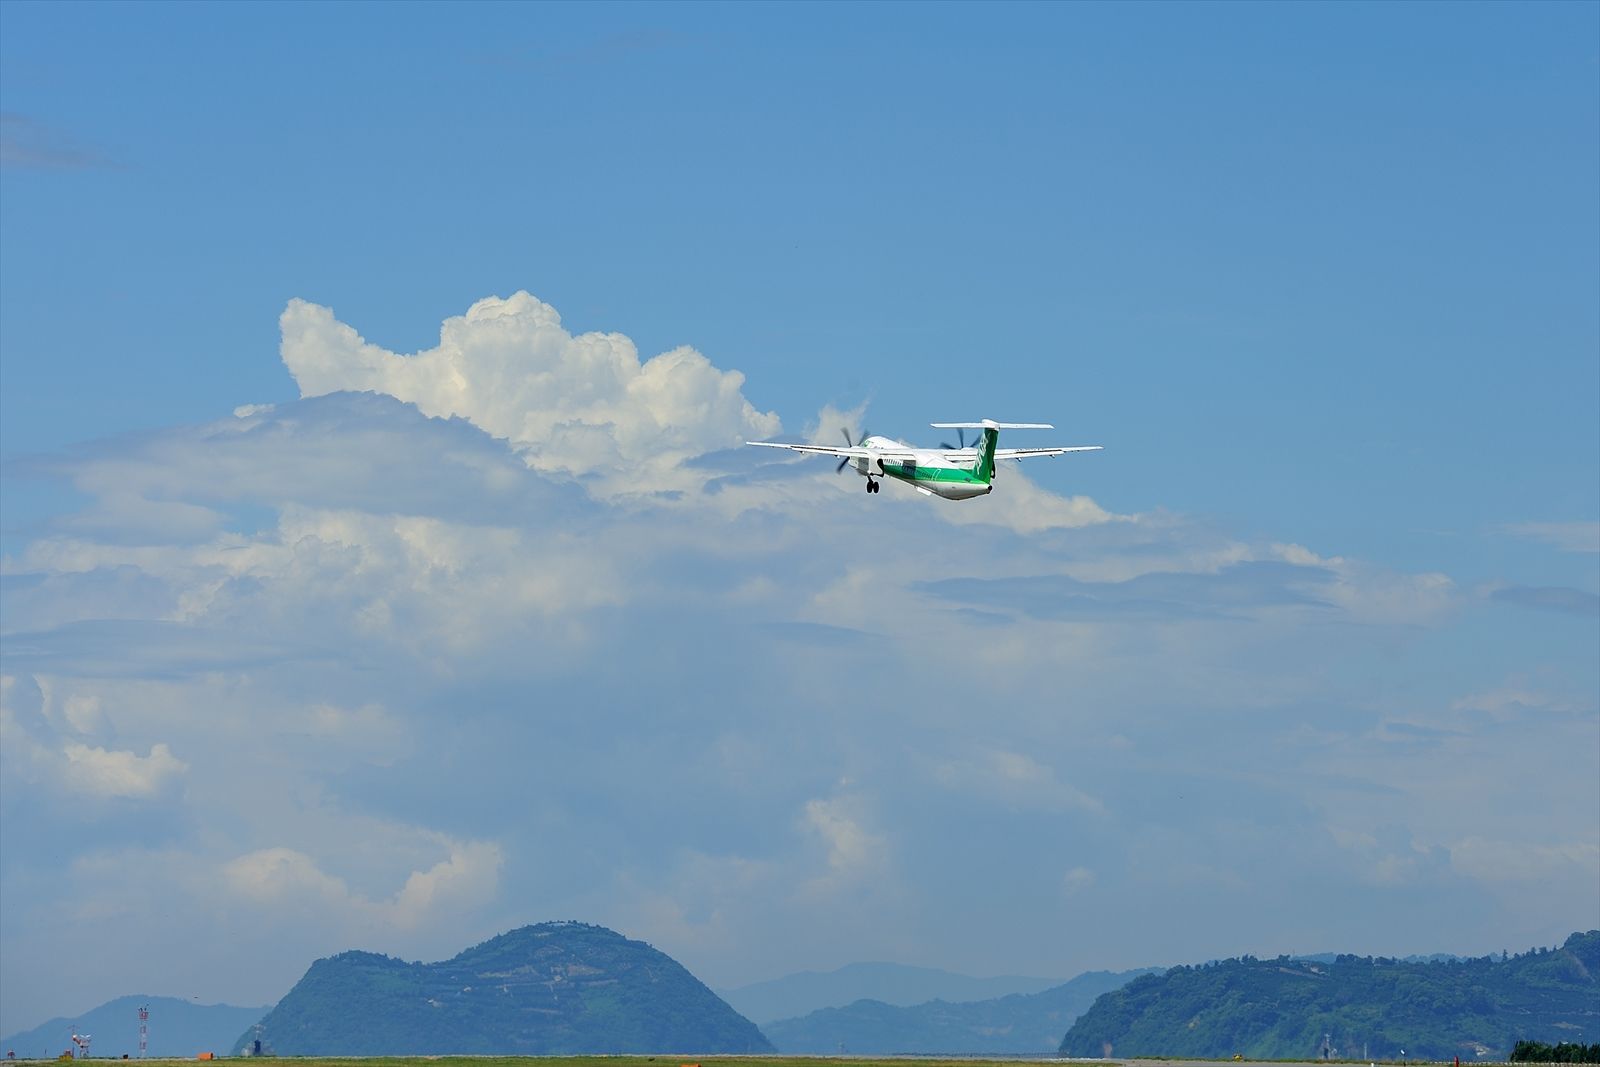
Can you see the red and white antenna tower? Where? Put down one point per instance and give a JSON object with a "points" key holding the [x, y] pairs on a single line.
{"points": [[144, 1029], [82, 1041]]}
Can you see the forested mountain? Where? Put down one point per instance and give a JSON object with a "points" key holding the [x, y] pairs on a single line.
{"points": [[1362, 1007], [552, 988], [795, 995], [1020, 1024], [177, 1028]]}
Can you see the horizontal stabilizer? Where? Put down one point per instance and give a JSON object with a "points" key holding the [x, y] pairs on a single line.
{"points": [[1025, 453], [990, 424]]}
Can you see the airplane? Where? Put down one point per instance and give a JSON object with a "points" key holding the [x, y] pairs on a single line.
{"points": [[952, 472]]}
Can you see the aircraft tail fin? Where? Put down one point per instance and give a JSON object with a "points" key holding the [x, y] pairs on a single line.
{"points": [[985, 471], [991, 435]]}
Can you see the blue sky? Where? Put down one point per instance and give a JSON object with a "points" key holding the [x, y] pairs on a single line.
{"points": [[1305, 660]]}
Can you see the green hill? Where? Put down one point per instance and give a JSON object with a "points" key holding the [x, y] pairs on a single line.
{"points": [[1020, 1024], [547, 989], [1367, 1008]]}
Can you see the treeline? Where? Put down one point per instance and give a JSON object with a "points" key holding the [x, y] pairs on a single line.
{"points": [[1565, 1052], [1353, 1008]]}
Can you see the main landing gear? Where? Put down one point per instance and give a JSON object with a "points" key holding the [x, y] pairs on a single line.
{"points": [[872, 486]]}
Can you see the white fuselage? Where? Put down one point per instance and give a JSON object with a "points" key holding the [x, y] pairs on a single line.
{"points": [[947, 473]]}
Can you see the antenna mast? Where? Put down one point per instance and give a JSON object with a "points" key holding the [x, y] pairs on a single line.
{"points": [[144, 1029]]}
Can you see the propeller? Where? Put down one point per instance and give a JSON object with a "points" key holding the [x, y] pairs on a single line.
{"points": [[845, 462], [961, 436]]}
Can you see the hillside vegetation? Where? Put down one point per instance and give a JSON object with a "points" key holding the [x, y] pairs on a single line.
{"points": [[1367, 1008], [540, 990], [1565, 1052]]}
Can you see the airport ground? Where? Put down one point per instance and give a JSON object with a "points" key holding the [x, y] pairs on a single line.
{"points": [[844, 1060]]}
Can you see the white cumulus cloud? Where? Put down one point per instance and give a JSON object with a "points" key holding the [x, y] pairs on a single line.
{"points": [[110, 773], [853, 851], [279, 876], [1014, 780], [1077, 880], [1567, 536], [579, 405], [1526, 861]]}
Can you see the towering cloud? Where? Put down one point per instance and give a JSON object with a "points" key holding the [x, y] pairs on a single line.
{"points": [[581, 405]]}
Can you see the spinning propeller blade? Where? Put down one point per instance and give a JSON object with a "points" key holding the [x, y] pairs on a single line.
{"points": [[845, 462]]}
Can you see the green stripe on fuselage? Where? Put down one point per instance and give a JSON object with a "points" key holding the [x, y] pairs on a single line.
{"points": [[980, 473], [911, 472]]}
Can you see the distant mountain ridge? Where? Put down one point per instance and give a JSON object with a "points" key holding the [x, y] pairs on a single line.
{"points": [[1360, 1007], [1020, 1024], [178, 1029], [798, 994], [555, 988]]}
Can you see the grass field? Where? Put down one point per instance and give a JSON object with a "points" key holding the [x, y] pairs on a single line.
{"points": [[721, 1061], [594, 1061]]}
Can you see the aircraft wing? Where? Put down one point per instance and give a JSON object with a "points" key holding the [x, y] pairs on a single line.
{"points": [[891, 454], [1029, 453]]}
